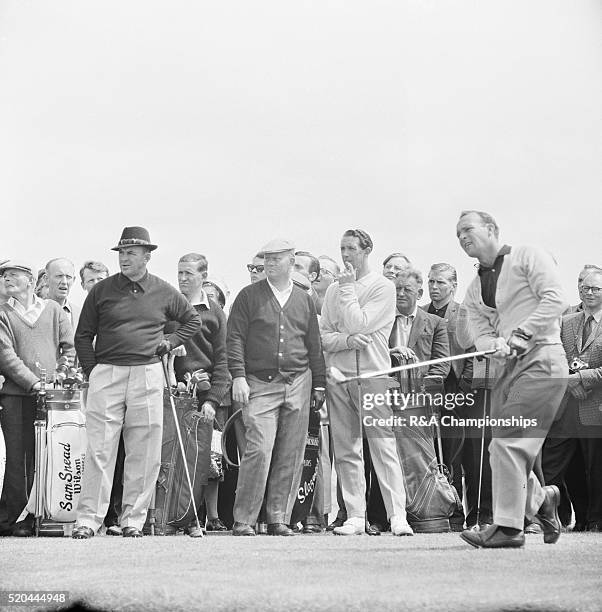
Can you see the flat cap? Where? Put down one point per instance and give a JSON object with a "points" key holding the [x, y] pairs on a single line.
{"points": [[278, 245], [19, 264]]}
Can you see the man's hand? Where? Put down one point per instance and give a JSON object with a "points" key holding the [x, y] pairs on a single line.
{"points": [[179, 351], [502, 350], [240, 390], [519, 342], [574, 381], [318, 396], [358, 341], [163, 348], [37, 386], [207, 412], [579, 392], [403, 352], [347, 276]]}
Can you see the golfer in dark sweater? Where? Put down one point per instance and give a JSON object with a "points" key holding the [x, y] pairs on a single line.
{"points": [[275, 359]]}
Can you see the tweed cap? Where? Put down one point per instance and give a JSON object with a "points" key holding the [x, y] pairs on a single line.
{"points": [[278, 245], [19, 264]]}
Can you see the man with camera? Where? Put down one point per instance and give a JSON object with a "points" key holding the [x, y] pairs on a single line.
{"points": [[514, 304], [580, 427]]}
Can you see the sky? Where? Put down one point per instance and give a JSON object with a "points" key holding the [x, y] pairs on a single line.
{"points": [[222, 125]]}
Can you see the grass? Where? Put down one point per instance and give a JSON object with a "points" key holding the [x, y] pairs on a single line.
{"points": [[311, 572]]}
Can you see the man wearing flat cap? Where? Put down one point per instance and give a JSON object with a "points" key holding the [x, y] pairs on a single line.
{"points": [[120, 343], [33, 334], [276, 362]]}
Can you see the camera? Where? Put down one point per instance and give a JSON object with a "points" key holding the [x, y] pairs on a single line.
{"points": [[577, 364]]}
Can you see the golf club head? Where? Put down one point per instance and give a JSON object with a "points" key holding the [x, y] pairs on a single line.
{"points": [[196, 532], [181, 388], [336, 375]]}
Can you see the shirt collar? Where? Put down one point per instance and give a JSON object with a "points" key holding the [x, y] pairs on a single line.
{"points": [[204, 301], [597, 315], [38, 303], [501, 254], [123, 281], [411, 316], [289, 287]]}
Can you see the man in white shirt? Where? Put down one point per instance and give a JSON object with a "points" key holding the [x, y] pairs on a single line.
{"points": [[60, 275]]}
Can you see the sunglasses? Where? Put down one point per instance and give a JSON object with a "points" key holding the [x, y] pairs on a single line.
{"points": [[259, 269]]}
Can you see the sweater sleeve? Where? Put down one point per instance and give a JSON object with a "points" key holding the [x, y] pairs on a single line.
{"points": [[540, 269], [314, 348], [333, 340], [238, 327], [377, 312], [439, 349], [482, 328], [10, 363], [86, 332], [220, 378], [190, 320]]}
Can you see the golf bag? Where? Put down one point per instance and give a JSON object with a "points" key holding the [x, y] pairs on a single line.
{"points": [[311, 459], [173, 508], [60, 455], [430, 497], [2, 458]]}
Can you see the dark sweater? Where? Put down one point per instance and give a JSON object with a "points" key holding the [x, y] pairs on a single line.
{"points": [[207, 350], [23, 345], [128, 319], [265, 339]]}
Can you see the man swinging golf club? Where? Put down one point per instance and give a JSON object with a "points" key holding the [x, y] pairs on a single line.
{"points": [[514, 305], [126, 314]]}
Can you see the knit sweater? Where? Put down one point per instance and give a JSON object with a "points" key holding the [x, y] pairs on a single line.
{"points": [[528, 295], [367, 307], [23, 346], [265, 339], [207, 350]]}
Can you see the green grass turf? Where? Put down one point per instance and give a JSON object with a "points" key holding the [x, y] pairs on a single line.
{"points": [[309, 572]]}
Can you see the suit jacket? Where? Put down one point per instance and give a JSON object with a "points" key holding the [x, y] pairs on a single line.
{"points": [[429, 340], [463, 367], [590, 409]]}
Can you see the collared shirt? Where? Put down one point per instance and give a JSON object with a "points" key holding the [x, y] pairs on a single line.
{"points": [[128, 319], [440, 312], [489, 277], [402, 327], [204, 301], [282, 296], [30, 314]]}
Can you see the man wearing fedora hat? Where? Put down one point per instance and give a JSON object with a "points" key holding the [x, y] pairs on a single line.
{"points": [[33, 333], [275, 358], [120, 341]]}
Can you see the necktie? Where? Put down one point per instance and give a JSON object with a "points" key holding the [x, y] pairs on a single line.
{"points": [[587, 329]]}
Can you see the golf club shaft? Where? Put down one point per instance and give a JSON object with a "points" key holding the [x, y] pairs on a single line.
{"points": [[485, 407], [175, 418], [418, 364]]}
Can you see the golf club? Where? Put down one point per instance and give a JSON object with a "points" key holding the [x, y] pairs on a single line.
{"points": [[486, 400]]}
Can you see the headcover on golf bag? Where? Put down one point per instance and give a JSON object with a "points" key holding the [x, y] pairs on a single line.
{"points": [[173, 504], [2, 458]]}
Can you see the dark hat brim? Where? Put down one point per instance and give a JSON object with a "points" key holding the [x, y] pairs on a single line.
{"points": [[150, 247]]}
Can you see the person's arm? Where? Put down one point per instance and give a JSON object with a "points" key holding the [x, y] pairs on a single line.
{"points": [[376, 313], [482, 325], [314, 348], [238, 327], [220, 378], [186, 315], [333, 340], [86, 332], [541, 272], [439, 349], [66, 346], [10, 363]]}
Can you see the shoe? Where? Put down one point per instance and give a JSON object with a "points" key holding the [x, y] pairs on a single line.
{"points": [[400, 527], [114, 530], [493, 537], [312, 528], [352, 526], [242, 529], [215, 525], [338, 522], [593, 527], [280, 529], [82, 533], [548, 515], [373, 529], [24, 528], [579, 527], [533, 527], [192, 528], [131, 532]]}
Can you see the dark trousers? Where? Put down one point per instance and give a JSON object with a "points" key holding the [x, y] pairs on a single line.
{"points": [[17, 419], [566, 440], [114, 511], [471, 461]]}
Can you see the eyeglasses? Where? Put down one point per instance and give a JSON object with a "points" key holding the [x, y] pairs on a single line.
{"points": [[594, 290], [327, 272], [259, 269]]}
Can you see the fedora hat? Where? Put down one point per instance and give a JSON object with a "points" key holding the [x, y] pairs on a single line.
{"points": [[135, 236]]}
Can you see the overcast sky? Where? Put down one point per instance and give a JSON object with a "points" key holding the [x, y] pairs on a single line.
{"points": [[220, 125]]}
